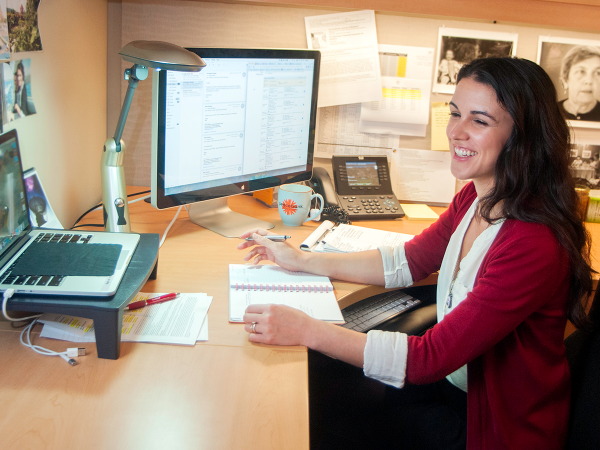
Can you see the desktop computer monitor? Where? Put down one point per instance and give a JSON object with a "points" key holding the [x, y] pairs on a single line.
{"points": [[246, 122]]}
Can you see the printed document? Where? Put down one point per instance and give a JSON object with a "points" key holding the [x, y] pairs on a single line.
{"points": [[349, 58], [406, 79], [422, 176], [174, 322], [350, 238], [338, 134]]}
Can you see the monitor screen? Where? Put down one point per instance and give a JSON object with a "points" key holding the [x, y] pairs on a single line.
{"points": [[246, 122]]}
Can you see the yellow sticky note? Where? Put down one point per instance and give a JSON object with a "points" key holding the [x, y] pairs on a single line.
{"points": [[440, 115], [418, 212]]}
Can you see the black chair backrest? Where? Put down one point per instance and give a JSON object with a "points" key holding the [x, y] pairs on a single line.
{"points": [[583, 352]]}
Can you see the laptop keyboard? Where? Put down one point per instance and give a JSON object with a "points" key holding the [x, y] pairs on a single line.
{"points": [[47, 280], [367, 313]]}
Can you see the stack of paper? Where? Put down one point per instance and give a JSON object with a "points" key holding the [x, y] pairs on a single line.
{"points": [[350, 238], [182, 321]]}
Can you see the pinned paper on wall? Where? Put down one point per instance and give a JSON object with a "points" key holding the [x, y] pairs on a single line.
{"points": [[338, 134], [440, 115], [422, 176], [405, 80], [349, 59]]}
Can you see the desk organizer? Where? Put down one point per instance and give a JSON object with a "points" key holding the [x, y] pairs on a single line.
{"points": [[106, 312]]}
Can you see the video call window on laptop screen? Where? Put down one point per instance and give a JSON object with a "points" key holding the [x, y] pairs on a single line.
{"points": [[14, 215]]}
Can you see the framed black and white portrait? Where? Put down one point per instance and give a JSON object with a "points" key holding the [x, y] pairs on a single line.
{"points": [[458, 47], [574, 67]]}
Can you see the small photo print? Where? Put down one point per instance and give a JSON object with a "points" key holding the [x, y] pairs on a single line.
{"points": [[17, 90], [459, 47], [41, 213], [574, 67], [4, 47], [584, 164], [23, 31]]}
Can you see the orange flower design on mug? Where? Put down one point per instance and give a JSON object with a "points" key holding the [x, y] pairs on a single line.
{"points": [[289, 207]]}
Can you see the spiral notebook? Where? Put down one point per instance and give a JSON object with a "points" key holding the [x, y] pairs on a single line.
{"points": [[263, 284]]}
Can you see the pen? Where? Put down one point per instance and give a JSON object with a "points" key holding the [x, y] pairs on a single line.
{"points": [[151, 301], [272, 238]]}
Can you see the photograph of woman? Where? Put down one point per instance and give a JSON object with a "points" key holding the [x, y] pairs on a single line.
{"points": [[574, 67], [513, 257]]}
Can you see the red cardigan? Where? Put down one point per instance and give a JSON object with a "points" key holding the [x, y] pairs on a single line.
{"points": [[509, 330]]}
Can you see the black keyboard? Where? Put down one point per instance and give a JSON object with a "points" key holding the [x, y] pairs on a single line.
{"points": [[366, 314]]}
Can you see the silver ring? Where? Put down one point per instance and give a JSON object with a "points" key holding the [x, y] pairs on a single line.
{"points": [[253, 328]]}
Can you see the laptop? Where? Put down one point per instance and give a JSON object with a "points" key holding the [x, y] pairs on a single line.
{"points": [[52, 262]]}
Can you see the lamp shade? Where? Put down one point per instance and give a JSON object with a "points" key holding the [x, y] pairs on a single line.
{"points": [[161, 55]]}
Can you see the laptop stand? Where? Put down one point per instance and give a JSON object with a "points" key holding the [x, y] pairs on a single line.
{"points": [[106, 312]]}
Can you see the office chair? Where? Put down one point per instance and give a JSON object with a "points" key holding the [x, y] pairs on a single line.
{"points": [[583, 353]]}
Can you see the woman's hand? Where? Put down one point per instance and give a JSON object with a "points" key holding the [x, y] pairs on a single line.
{"points": [[282, 325], [278, 325], [281, 253]]}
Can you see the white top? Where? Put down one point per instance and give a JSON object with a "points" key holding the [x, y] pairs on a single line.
{"points": [[385, 353]]}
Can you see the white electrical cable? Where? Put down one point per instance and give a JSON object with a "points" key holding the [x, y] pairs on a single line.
{"points": [[66, 355], [6, 295], [162, 241]]}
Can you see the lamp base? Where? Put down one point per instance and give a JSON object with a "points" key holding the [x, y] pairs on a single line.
{"points": [[114, 192]]}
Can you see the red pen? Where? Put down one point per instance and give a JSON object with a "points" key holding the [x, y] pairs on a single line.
{"points": [[152, 301]]}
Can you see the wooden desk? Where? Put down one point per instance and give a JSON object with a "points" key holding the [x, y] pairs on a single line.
{"points": [[222, 394]]}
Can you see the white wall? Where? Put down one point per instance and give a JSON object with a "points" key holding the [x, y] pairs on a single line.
{"points": [[64, 140]]}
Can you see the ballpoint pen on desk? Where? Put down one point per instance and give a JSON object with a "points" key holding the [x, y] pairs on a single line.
{"points": [[151, 301], [272, 238]]}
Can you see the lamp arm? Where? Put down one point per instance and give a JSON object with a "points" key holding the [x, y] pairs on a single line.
{"points": [[114, 192], [134, 75]]}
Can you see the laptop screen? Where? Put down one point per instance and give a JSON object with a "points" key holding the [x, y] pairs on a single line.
{"points": [[14, 214]]}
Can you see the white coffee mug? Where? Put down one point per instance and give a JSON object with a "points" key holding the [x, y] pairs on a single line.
{"points": [[294, 202]]}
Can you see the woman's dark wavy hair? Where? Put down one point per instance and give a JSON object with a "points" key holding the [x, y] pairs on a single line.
{"points": [[532, 178]]}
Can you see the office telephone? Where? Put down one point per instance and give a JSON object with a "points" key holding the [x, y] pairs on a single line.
{"points": [[362, 187]]}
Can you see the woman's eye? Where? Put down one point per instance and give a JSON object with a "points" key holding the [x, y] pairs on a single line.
{"points": [[480, 122], [454, 114]]}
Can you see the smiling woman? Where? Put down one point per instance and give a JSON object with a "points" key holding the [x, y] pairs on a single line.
{"points": [[477, 131], [513, 260]]}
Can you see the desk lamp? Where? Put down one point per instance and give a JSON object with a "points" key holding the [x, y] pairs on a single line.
{"points": [[143, 54]]}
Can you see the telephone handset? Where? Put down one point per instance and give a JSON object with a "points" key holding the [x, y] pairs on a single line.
{"points": [[321, 184], [362, 187]]}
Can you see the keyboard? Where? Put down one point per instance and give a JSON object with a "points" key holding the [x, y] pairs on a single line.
{"points": [[366, 314], [7, 278]]}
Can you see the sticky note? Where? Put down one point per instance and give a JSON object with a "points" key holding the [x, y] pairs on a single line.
{"points": [[440, 115], [418, 212]]}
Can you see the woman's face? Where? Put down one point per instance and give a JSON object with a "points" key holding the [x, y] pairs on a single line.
{"points": [[583, 82], [477, 132], [18, 78]]}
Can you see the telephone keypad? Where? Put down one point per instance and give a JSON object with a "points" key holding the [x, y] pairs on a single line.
{"points": [[367, 206]]}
